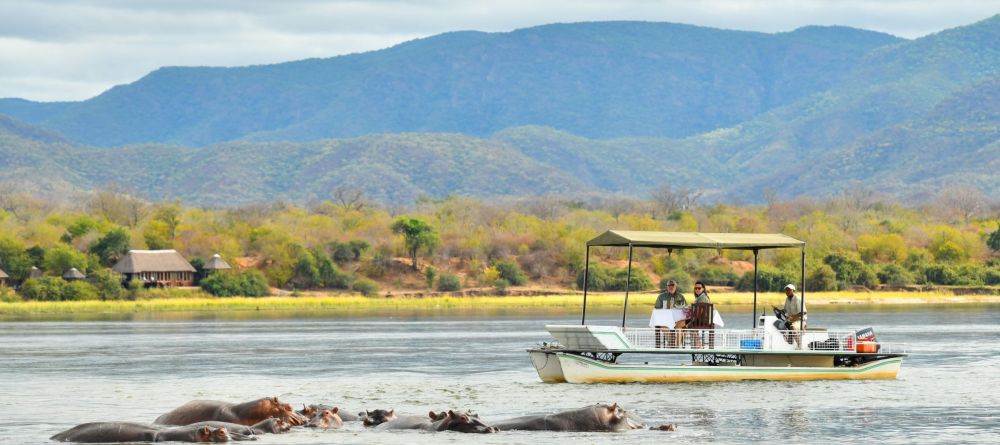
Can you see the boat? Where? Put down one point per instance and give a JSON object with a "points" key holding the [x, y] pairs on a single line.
{"points": [[623, 354]]}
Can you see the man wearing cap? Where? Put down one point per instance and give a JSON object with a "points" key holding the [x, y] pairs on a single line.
{"points": [[794, 312], [670, 298]]}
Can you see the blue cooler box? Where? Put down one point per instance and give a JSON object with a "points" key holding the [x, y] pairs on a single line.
{"points": [[750, 344]]}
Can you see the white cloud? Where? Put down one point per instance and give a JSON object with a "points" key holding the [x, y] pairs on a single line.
{"points": [[75, 49]]}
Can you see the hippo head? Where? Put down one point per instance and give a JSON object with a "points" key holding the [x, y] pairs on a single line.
{"points": [[437, 416], [326, 420], [307, 411], [273, 425], [664, 427], [615, 418], [377, 417], [464, 422], [272, 407], [208, 434]]}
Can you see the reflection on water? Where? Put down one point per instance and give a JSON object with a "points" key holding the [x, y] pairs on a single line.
{"points": [[60, 373]]}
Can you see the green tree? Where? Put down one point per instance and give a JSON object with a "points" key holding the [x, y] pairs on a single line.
{"points": [[511, 271], [306, 274], [62, 257], [43, 289], [429, 275], [14, 259], [993, 242], [108, 284], [169, 214], [417, 235], [157, 235], [112, 246]]}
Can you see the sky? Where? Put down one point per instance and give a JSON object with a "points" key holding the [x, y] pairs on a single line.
{"points": [[52, 50]]}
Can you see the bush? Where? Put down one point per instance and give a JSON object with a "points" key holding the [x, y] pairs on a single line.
{"points": [[851, 271], [895, 275], [608, 279], [717, 276], [511, 271], [449, 283], [941, 274], [108, 284], [768, 280], [250, 283], [79, 291], [365, 286], [821, 278], [43, 289], [8, 296], [429, 275], [992, 276], [349, 251], [501, 285]]}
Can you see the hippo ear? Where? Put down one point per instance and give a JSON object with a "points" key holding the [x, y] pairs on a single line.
{"points": [[334, 410], [391, 411], [452, 414], [206, 430], [367, 414], [432, 414]]}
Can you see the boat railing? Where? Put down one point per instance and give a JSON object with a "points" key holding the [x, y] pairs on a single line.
{"points": [[697, 340]]}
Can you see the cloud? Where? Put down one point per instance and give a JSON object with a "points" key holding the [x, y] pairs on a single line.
{"points": [[75, 49]]}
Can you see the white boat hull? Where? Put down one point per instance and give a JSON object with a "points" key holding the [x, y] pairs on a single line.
{"points": [[577, 369]]}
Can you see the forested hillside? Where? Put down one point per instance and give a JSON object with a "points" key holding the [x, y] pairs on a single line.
{"points": [[609, 79]]}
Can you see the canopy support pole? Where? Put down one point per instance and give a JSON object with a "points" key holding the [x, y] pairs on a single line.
{"points": [[586, 269], [628, 282], [802, 321], [754, 321]]}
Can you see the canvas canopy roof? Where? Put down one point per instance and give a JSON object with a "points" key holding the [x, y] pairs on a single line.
{"points": [[216, 263], [138, 261], [694, 240]]}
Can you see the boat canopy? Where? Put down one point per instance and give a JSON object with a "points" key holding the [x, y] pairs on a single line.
{"points": [[694, 240]]}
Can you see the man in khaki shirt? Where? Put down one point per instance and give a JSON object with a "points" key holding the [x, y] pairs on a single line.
{"points": [[795, 314]]}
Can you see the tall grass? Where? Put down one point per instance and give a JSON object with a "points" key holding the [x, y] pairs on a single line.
{"points": [[197, 301]]}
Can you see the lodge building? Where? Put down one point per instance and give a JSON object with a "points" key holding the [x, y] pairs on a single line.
{"points": [[156, 268]]}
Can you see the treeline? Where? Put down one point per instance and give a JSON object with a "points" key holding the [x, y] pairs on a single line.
{"points": [[450, 244]]}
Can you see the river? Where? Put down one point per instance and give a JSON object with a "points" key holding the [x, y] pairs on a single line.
{"points": [[56, 374]]}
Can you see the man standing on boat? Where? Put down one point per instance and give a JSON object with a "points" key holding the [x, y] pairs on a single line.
{"points": [[795, 314]]}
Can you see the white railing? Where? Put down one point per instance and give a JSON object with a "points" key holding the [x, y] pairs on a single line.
{"points": [[750, 339]]}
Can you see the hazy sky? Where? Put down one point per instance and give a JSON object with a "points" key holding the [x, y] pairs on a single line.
{"points": [[75, 49]]}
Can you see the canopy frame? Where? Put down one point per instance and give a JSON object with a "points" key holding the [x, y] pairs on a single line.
{"points": [[693, 240]]}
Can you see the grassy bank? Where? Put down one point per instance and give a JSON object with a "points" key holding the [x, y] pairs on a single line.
{"points": [[358, 304]]}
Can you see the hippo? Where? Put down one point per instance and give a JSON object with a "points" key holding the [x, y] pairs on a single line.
{"points": [[308, 411], [327, 419], [106, 432], [664, 427], [266, 426], [247, 413], [600, 417], [378, 417], [460, 421]]}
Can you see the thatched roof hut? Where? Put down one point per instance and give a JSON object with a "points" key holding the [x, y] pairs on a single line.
{"points": [[3, 277], [156, 267], [73, 274], [216, 263]]}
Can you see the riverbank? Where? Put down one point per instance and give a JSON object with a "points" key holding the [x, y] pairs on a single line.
{"points": [[335, 303]]}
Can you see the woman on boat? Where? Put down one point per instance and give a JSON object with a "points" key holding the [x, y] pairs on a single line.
{"points": [[701, 293]]}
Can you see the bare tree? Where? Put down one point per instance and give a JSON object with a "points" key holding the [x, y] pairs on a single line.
{"points": [[11, 200], [667, 199], [965, 201], [350, 198], [118, 205], [860, 198]]}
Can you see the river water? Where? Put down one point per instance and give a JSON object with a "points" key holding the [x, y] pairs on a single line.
{"points": [[56, 374]]}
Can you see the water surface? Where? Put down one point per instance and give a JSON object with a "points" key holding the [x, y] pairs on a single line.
{"points": [[56, 374]]}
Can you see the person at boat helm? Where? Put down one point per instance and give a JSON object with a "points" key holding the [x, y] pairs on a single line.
{"points": [[794, 312]]}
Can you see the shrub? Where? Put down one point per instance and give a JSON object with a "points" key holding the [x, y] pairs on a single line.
{"points": [[971, 275], [107, 284], [429, 274], [821, 278], [43, 289], [250, 283], [449, 283], [501, 285], [992, 276], [993, 242], [851, 271], [365, 286], [349, 251], [717, 276], [511, 271], [882, 248], [895, 275], [79, 291], [609, 279], [768, 279], [8, 296], [941, 274]]}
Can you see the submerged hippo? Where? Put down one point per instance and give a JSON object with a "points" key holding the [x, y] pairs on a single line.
{"points": [[377, 417], [601, 417], [247, 413], [460, 421], [309, 411], [106, 432], [326, 419], [266, 426]]}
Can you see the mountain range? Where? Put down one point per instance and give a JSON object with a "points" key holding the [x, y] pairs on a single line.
{"points": [[615, 107]]}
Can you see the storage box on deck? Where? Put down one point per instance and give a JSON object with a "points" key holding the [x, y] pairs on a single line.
{"points": [[750, 344]]}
